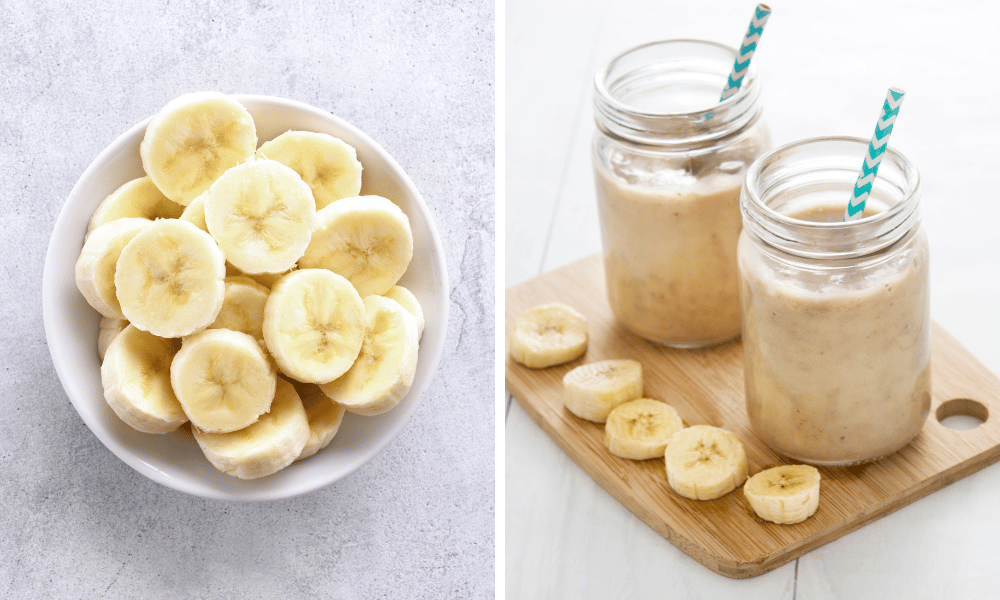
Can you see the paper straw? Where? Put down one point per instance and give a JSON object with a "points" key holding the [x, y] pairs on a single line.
{"points": [[756, 29], [876, 148]]}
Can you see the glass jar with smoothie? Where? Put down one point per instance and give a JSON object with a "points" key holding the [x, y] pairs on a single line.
{"points": [[836, 315], [669, 160]]}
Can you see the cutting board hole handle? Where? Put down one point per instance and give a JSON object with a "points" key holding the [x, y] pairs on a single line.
{"points": [[962, 413]]}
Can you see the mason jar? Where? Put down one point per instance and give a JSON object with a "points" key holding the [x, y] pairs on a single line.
{"points": [[836, 315], [669, 160]]}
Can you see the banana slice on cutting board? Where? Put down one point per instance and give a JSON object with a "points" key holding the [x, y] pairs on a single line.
{"points": [[243, 307], [170, 278], [107, 332], [408, 301], [135, 375], [639, 429], [193, 140], [223, 380], [270, 444], [98, 261], [384, 370], [548, 335], [367, 239], [138, 198], [329, 165], [314, 325], [593, 390], [705, 462], [325, 417], [786, 494], [262, 215]]}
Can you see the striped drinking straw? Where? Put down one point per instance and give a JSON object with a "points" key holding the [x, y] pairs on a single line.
{"points": [[756, 29], [876, 148]]}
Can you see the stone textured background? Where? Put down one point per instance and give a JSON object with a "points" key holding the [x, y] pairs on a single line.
{"points": [[418, 520]]}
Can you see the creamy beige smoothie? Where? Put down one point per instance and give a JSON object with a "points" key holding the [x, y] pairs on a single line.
{"points": [[669, 163], [837, 366], [670, 257]]}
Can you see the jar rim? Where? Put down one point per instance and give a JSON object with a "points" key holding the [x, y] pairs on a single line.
{"points": [[601, 79], [752, 184], [838, 239], [661, 69]]}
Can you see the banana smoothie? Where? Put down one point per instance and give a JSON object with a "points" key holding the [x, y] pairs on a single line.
{"points": [[837, 361], [669, 160], [670, 257]]}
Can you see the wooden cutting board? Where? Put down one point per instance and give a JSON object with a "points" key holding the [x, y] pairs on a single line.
{"points": [[706, 386]]}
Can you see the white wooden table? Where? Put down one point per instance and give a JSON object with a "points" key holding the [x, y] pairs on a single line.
{"points": [[825, 70]]}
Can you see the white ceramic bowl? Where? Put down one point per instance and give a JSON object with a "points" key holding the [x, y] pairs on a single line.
{"points": [[174, 459]]}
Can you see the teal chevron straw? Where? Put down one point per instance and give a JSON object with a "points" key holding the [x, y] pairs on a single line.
{"points": [[756, 29], [876, 148]]}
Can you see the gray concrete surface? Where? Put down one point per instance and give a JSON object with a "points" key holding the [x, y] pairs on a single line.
{"points": [[417, 521]]}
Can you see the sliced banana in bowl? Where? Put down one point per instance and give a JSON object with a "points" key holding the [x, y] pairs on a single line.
{"points": [[193, 140], [73, 326], [314, 325], [325, 417], [139, 198], [98, 261], [408, 301], [169, 278], [223, 379], [383, 371], [243, 307], [110, 328], [195, 212], [262, 215], [328, 164], [136, 379], [367, 239], [267, 445]]}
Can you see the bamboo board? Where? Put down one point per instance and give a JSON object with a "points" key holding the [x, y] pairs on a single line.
{"points": [[706, 386]]}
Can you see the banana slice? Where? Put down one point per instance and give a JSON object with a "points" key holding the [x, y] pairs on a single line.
{"points": [[265, 447], [329, 165], [96, 266], [383, 372], [548, 335], [267, 279], [705, 462], [367, 239], [169, 278], [109, 330], [593, 390], [785, 495], [314, 325], [194, 213], [138, 198], [223, 380], [262, 215], [193, 140], [325, 417], [639, 429], [135, 375], [408, 301], [243, 307]]}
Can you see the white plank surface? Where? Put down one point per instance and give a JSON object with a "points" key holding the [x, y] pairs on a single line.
{"points": [[825, 68]]}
